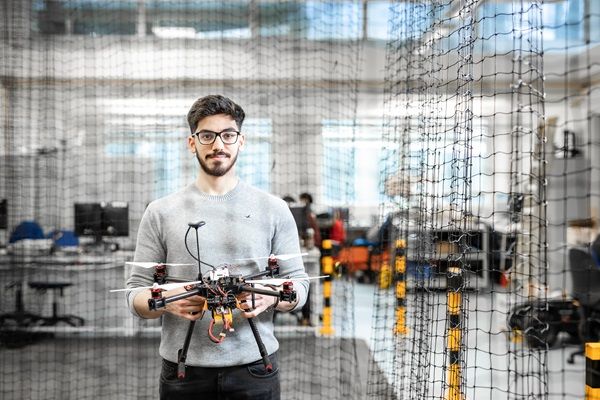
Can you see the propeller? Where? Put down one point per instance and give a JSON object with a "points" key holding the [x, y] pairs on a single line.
{"points": [[281, 281], [282, 257], [152, 264], [165, 286]]}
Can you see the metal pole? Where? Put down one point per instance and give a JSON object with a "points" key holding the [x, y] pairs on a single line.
{"points": [[400, 279], [327, 268]]}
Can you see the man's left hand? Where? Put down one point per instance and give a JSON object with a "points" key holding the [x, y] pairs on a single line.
{"points": [[262, 303]]}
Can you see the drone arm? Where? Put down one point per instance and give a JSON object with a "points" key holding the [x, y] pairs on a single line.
{"points": [[159, 303], [175, 279], [140, 304], [261, 274], [250, 289], [286, 299]]}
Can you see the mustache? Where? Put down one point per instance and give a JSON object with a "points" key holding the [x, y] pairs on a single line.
{"points": [[218, 153]]}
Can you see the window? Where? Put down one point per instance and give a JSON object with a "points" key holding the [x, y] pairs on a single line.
{"points": [[389, 20], [86, 17], [162, 153], [285, 19], [313, 20], [352, 155], [199, 19], [561, 25], [358, 160], [333, 20], [254, 163], [448, 169]]}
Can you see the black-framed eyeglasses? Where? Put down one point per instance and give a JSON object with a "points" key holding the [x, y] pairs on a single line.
{"points": [[209, 137]]}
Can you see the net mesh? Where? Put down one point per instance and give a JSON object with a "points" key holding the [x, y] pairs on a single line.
{"points": [[477, 175], [456, 138]]}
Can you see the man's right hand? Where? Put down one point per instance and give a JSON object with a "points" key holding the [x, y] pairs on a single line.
{"points": [[189, 308]]}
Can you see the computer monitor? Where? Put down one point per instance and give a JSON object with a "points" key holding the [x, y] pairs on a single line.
{"points": [[115, 219], [88, 219], [299, 214], [102, 219], [3, 214]]}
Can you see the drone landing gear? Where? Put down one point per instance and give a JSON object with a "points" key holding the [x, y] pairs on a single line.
{"points": [[261, 345], [182, 353]]}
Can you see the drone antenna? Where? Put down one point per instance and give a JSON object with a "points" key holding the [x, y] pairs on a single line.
{"points": [[197, 225]]}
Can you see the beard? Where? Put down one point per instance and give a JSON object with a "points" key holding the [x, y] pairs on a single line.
{"points": [[220, 168]]}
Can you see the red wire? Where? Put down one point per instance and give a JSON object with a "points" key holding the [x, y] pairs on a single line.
{"points": [[210, 334]]}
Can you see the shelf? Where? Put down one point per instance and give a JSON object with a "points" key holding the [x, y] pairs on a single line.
{"points": [[432, 252]]}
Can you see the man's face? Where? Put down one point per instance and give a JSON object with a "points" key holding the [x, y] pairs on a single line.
{"points": [[218, 158]]}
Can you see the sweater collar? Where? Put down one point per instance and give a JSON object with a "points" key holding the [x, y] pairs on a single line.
{"points": [[217, 198]]}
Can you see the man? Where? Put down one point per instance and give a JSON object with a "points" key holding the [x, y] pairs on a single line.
{"points": [[311, 218], [242, 222], [337, 232]]}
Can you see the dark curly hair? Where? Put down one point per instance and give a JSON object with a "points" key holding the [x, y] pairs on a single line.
{"points": [[214, 104]]}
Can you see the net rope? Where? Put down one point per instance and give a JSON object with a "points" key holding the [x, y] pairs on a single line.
{"points": [[464, 131]]}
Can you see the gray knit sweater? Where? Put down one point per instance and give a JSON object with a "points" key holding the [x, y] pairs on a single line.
{"points": [[243, 223]]}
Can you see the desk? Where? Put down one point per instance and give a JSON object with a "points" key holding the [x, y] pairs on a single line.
{"points": [[63, 259], [91, 276]]}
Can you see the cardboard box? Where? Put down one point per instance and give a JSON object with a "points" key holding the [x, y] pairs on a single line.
{"points": [[446, 248], [581, 232]]}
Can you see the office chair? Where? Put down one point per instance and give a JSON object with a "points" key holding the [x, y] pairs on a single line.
{"points": [[19, 317], [72, 320], [22, 318], [14, 326], [585, 275]]}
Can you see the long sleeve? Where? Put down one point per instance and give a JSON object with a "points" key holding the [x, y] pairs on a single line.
{"points": [[149, 248], [286, 241]]}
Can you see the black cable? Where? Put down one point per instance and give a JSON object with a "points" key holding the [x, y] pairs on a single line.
{"points": [[190, 253]]}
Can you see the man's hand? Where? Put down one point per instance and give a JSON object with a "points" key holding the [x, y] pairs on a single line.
{"points": [[262, 302], [189, 308]]}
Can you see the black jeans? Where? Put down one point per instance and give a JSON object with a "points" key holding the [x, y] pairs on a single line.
{"points": [[244, 382]]}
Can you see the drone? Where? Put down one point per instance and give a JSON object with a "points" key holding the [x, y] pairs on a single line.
{"points": [[220, 288]]}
